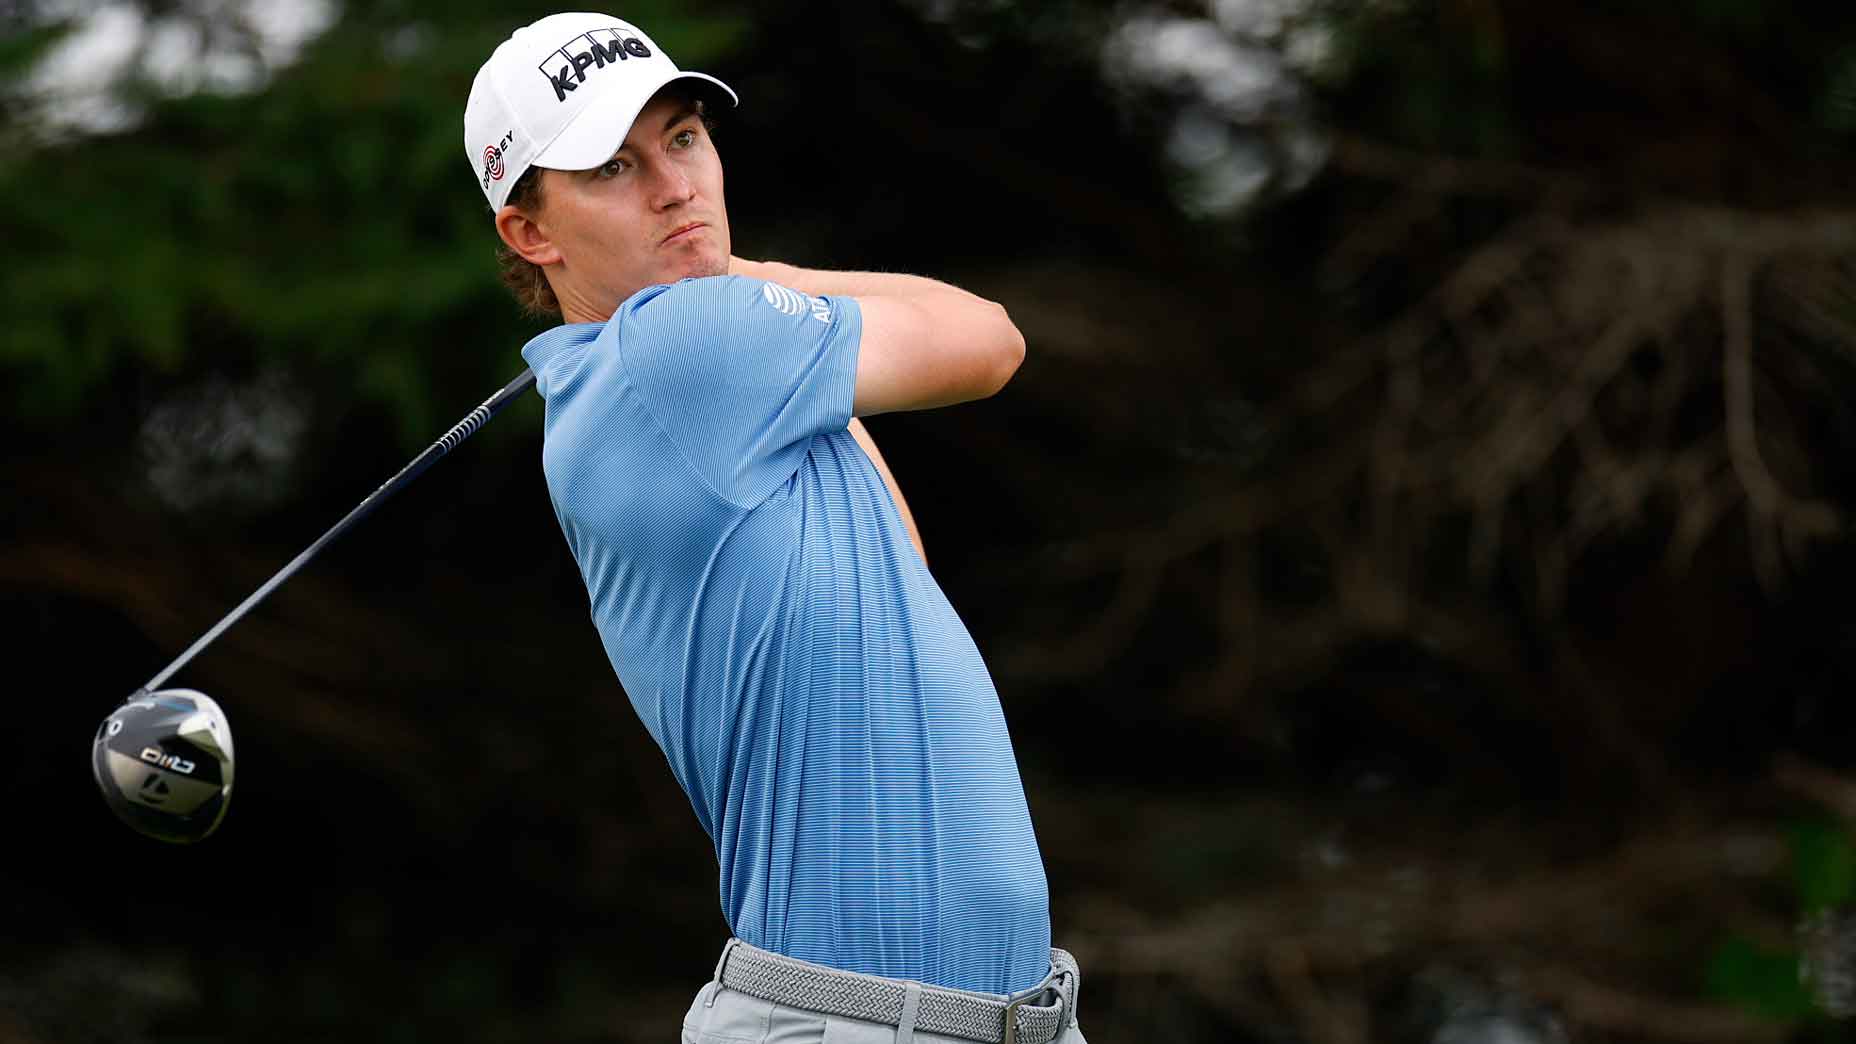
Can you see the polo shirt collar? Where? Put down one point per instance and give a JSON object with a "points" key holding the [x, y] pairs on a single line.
{"points": [[541, 351]]}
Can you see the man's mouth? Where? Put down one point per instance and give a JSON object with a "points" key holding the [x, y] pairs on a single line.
{"points": [[683, 231]]}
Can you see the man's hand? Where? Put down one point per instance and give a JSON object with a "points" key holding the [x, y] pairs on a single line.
{"points": [[925, 343]]}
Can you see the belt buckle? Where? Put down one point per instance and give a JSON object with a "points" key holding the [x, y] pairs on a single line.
{"points": [[1012, 1005]]}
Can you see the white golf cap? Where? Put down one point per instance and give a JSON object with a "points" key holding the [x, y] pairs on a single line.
{"points": [[562, 93]]}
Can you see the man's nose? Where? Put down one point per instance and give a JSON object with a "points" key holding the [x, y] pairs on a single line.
{"points": [[672, 186]]}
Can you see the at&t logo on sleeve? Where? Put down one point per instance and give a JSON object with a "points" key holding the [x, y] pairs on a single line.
{"points": [[788, 301]]}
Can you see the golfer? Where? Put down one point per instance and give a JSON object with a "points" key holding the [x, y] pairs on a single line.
{"points": [[752, 569]]}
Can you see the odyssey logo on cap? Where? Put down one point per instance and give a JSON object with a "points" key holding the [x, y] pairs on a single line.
{"points": [[493, 159], [608, 46]]}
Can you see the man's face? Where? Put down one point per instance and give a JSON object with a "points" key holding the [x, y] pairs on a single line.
{"points": [[651, 214]]}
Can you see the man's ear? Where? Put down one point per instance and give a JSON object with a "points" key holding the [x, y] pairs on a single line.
{"points": [[522, 234]]}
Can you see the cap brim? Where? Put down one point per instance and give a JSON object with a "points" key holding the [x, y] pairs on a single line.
{"points": [[593, 136]]}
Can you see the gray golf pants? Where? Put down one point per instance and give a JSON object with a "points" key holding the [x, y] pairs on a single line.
{"points": [[720, 1015]]}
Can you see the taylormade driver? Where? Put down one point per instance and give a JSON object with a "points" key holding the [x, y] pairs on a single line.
{"points": [[164, 762], [164, 758]]}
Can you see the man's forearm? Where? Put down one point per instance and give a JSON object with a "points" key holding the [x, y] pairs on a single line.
{"points": [[817, 281]]}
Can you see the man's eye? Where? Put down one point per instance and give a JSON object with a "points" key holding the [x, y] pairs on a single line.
{"points": [[684, 139], [612, 168]]}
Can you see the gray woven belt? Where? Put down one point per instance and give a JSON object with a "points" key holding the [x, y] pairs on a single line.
{"points": [[953, 1013]]}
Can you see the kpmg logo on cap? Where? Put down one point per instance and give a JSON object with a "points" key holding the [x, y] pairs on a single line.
{"points": [[566, 67]]}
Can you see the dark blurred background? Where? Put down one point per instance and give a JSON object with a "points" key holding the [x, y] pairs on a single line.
{"points": [[1413, 556]]}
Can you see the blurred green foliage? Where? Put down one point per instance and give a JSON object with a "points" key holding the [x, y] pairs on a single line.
{"points": [[325, 220], [1823, 858], [1760, 980], [1771, 982]]}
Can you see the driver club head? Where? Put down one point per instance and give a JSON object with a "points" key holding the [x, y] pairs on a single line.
{"points": [[164, 763]]}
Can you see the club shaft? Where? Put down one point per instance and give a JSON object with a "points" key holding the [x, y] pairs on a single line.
{"points": [[446, 443]]}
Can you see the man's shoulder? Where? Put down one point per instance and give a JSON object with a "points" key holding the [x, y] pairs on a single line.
{"points": [[697, 292], [729, 299], [663, 331]]}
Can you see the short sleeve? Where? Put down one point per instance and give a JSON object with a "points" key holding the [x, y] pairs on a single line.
{"points": [[741, 374]]}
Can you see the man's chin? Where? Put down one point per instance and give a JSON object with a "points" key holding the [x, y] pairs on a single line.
{"points": [[700, 267]]}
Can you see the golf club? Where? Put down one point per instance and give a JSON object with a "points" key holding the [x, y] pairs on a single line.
{"points": [[164, 758]]}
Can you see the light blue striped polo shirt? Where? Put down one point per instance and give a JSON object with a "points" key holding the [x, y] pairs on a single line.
{"points": [[816, 695]]}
